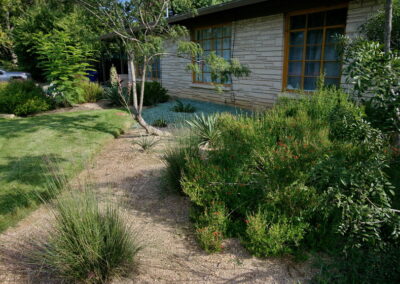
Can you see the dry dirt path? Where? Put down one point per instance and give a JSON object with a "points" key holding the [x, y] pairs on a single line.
{"points": [[171, 254]]}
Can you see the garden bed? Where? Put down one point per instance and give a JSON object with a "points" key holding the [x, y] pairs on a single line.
{"points": [[164, 111]]}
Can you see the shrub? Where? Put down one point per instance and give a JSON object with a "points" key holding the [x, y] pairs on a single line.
{"points": [[162, 123], [211, 226], [90, 243], [181, 107], [307, 174], [154, 93], [91, 92], [65, 62], [269, 238], [117, 95], [23, 98], [175, 160]]}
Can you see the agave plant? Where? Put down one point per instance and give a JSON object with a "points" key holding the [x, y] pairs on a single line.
{"points": [[205, 127]]}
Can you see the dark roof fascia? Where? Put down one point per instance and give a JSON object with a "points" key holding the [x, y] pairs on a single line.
{"points": [[214, 9], [247, 9]]}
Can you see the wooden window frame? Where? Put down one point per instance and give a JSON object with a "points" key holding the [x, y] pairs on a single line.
{"points": [[193, 37], [151, 78], [305, 30]]}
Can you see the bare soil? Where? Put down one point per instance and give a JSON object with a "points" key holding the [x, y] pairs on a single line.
{"points": [[161, 220]]}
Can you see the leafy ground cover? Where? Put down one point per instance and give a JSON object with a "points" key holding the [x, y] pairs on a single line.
{"points": [[164, 111], [68, 139]]}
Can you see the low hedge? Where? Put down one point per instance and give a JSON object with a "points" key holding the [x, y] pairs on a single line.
{"points": [[23, 98]]}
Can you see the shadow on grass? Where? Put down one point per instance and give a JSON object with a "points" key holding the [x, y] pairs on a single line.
{"points": [[62, 123], [28, 178]]}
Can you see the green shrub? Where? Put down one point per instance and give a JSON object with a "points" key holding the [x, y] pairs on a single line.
{"points": [[162, 123], [117, 95], [23, 98], [211, 227], [264, 237], [307, 174], [91, 242], [181, 107], [175, 160], [91, 92], [154, 93]]}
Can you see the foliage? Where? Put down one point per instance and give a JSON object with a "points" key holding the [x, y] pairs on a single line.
{"points": [[154, 94], [375, 76], [91, 91], [309, 173], [268, 238], [114, 77], [211, 226], [175, 159], [117, 95], [182, 107], [205, 127], [26, 142], [23, 98], [47, 18], [91, 242], [146, 143], [147, 42], [64, 62], [362, 266], [160, 123], [188, 6], [374, 28]]}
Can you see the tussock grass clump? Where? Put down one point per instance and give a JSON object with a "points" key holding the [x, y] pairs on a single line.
{"points": [[91, 242]]}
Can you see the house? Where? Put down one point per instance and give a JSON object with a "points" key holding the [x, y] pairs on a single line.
{"points": [[286, 44]]}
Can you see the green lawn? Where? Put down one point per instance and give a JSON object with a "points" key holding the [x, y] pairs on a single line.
{"points": [[69, 139]]}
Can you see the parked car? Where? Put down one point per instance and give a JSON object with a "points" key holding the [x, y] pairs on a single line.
{"points": [[7, 76]]}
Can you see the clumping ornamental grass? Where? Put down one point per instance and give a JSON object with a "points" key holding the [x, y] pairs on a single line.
{"points": [[90, 241]]}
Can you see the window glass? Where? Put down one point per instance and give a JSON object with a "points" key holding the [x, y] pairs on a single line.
{"points": [[312, 48], [294, 83], [298, 22], [218, 40], [316, 20], [295, 68]]}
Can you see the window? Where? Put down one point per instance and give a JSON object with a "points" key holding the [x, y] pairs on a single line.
{"points": [[153, 70], [311, 49], [213, 39]]}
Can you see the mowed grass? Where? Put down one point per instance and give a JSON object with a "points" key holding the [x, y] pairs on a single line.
{"points": [[69, 140]]}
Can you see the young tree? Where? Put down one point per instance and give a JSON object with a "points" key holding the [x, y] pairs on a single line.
{"points": [[388, 24], [142, 27]]}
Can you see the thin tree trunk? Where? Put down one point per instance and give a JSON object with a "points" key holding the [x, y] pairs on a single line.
{"points": [[388, 24], [137, 110]]}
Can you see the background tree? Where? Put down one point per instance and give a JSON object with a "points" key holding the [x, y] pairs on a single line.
{"points": [[142, 27], [48, 17], [10, 11], [181, 6], [388, 24], [374, 28]]}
